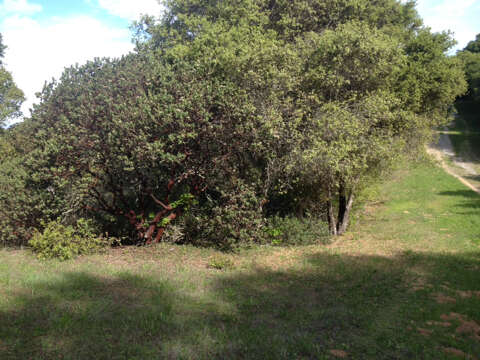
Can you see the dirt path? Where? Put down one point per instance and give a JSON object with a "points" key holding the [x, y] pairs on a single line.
{"points": [[442, 151]]}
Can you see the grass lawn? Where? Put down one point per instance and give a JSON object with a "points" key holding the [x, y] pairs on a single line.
{"points": [[403, 284]]}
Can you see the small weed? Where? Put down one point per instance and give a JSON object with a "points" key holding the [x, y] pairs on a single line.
{"points": [[221, 263]]}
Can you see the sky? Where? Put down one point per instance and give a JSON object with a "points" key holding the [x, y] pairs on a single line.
{"points": [[45, 36]]}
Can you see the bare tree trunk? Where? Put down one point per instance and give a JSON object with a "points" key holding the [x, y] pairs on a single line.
{"points": [[161, 230], [342, 206], [300, 210], [332, 222], [344, 220]]}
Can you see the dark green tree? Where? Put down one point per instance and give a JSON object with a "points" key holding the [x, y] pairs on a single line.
{"points": [[470, 56], [27, 197], [474, 45], [2, 49], [11, 97]]}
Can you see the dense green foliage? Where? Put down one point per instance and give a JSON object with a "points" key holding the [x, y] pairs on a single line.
{"points": [[230, 113], [469, 104], [11, 97], [2, 49], [474, 45], [28, 196], [471, 58]]}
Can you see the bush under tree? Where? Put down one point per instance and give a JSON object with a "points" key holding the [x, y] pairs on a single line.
{"points": [[228, 114]]}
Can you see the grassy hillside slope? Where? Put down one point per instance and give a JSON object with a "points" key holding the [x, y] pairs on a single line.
{"points": [[403, 284]]}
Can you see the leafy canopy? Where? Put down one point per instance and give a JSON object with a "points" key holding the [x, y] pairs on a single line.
{"points": [[474, 45], [232, 112], [470, 56], [11, 97]]}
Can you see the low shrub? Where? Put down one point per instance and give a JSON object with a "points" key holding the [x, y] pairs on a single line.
{"points": [[296, 231], [65, 242]]}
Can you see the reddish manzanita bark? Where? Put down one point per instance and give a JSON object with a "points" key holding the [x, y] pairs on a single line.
{"points": [[153, 232]]}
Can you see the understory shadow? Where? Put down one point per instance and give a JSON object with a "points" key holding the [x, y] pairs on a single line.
{"points": [[466, 145], [369, 306]]}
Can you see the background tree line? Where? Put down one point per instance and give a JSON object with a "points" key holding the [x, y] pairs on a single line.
{"points": [[470, 56], [229, 120], [11, 97]]}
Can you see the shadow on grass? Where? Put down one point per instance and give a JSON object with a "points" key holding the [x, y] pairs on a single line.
{"points": [[473, 177], [467, 194], [468, 199], [359, 304]]}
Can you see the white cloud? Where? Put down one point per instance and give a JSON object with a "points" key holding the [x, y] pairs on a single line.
{"points": [[459, 16], [38, 51], [131, 10], [19, 6]]}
